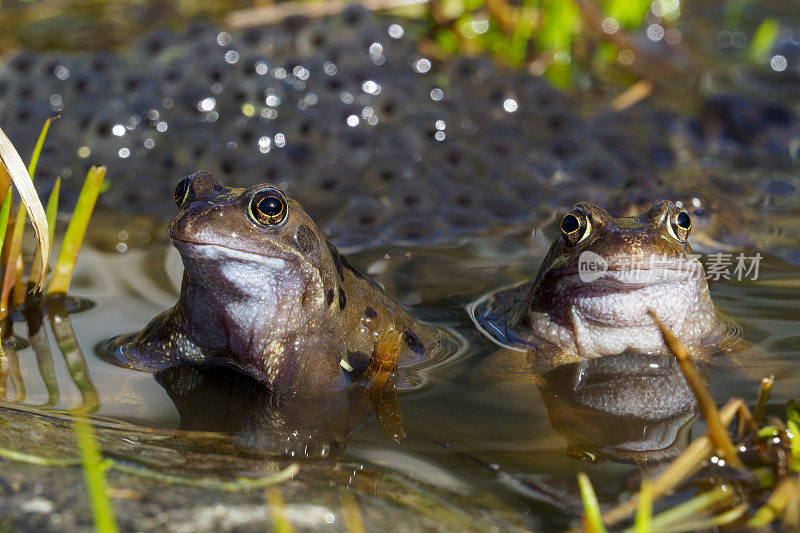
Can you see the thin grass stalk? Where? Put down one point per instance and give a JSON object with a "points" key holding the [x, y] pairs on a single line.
{"points": [[73, 356], [50, 212], [690, 508], [592, 517], [44, 356], [94, 473], [27, 458], [73, 237], [791, 516], [764, 392], [18, 293], [5, 213], [712, 523], [683, 466], [523, 30], [644, 513], [3, 372], [12, 360], [793, 426], [239, 485], [277, 511], [352, 514], [716, 428], [774, 506]]}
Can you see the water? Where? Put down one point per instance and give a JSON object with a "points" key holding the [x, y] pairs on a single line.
{"points": [[494, 416], [476, 421]]}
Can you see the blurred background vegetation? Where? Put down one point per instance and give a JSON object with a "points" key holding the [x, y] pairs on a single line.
{"points": [[556, 38]]}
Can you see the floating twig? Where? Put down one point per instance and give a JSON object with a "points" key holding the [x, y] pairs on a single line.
{"points": [[22, 457], [632, 95], [237, 485]]}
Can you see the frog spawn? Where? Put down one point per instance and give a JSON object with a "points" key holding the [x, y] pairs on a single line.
{"points": [[344, 112], [350, 117]]}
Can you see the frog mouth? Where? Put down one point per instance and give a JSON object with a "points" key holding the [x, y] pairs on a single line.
{"points": [[213, 250]]}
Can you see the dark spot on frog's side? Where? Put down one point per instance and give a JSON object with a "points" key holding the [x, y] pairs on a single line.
{"points": [[337, 260], [413, 342], [329, 297], [307, 243], [370, 312], [342, 298]]}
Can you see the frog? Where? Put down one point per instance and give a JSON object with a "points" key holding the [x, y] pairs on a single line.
{"points": [[264, 290], [598, 285]]}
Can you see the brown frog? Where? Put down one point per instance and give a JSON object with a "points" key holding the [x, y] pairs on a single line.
{"points": [[264, 289], [596, 286]]}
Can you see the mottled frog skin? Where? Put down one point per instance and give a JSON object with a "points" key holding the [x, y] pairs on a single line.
{"points": [[646, 265], [263, 288]]}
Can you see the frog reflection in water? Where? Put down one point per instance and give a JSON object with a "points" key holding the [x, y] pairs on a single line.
{"points": [[314, 425], [597, 285], [263, 288]]}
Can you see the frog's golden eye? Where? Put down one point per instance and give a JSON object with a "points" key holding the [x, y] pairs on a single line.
{"points": [[575, 226], [182, 191], [268, 207], [679, 224]]}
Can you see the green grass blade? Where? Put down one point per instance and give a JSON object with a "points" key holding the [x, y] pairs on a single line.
{"points": [[52, 208], [629, 13], [763, 40], [689, 509], [73, 238], [593, 520], [37, 150], [5, 213], [793, 426], [50, 212], [644, 514], [94, 472], [522, 33]]}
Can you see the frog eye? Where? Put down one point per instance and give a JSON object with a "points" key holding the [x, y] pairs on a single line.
{"points": [[182, 191], [268, 207], [679, 224], [575, 226]]}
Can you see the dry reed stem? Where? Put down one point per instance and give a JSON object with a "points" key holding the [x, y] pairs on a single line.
{"points": [[717, 430], [12, 165]]}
